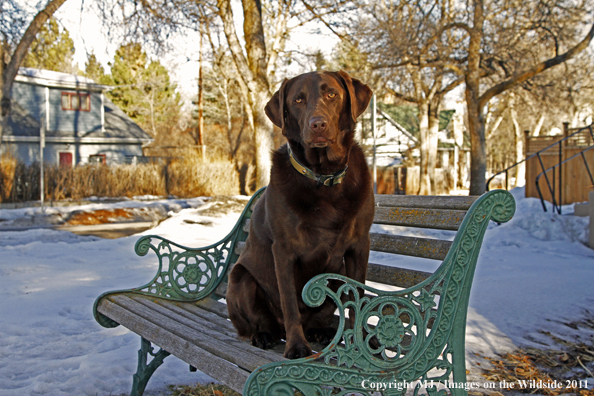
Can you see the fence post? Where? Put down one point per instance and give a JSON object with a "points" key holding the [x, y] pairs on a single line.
{"points": [[591, 213]]}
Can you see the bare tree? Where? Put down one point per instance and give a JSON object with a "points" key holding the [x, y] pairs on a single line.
{"points": [[13, 55], [402, 41], [491, 46], [256, 58], [514, 61]]}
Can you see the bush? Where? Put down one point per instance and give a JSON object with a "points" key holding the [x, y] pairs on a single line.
{"points": [[7, 169], [189, 176], [193, 176]]}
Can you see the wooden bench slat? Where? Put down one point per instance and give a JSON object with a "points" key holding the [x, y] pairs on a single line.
{"points": [[219, 320], [395, 276], [420, 217], [435, 249], [207, 320], [235, 354], [212, 365], [212, 326], [221, 290], [429, 202], [216, 312], [210, 305]]}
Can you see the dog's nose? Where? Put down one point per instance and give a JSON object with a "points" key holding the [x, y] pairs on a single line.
{"points": [[318, 124]]}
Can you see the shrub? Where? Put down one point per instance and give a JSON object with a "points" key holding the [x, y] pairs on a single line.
{"points": [[194, 176], [189, 176], [7, 169]]}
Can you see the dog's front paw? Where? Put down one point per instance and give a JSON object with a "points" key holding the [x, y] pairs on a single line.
{"points": [[298, 351], [321, 335], [263, 340]]}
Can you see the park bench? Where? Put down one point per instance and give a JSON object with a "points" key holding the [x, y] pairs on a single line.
{"points": [[402, 337]]}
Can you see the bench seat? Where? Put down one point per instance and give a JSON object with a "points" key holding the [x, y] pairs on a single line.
{"points": [[414, 332]]}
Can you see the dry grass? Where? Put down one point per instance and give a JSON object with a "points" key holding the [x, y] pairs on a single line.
{"points": [[211, 176], [202, 390], [565, 366], [190, 176], [7, 168]]}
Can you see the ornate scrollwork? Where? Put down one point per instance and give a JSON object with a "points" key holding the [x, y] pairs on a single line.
{"points": [[184, 274], [413, 336]]}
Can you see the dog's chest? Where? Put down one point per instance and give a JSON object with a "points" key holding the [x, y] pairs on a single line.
{"points": [[320, 237]]}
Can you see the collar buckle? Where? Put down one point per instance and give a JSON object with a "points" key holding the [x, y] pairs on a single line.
{"points": [[326, 180]]}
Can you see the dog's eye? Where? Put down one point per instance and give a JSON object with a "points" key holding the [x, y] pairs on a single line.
{"points": [[331, 95], [298, 100]]}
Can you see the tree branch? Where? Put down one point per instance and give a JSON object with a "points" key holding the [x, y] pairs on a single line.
{"points": [[536, 69], [21, 50]]}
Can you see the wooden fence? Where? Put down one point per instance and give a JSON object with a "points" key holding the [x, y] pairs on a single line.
{"points": [[572, 177]]}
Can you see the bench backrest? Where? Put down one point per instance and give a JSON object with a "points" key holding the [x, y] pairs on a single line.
{"points": [[191, 274], [429, 212]]}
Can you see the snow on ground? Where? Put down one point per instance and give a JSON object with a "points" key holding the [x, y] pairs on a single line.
{"points": [[534, 273], [139, 207]]}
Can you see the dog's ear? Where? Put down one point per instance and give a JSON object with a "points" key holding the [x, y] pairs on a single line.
{"points": [[275, 108], [359, 94]]}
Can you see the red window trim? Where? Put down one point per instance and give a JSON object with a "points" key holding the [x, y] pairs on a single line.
{"points": [[81, 96]]}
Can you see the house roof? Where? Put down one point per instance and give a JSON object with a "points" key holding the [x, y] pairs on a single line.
{"points": [[119, 125], [398, 126], [407, 117], [48, 78]]}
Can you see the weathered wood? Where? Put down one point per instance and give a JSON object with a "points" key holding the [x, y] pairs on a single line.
{"points": [[232, 350], [210, 305], [221, 290], [212, 365], [225, 334], [395, 276], [435, 249], [420, 217], [428, 202]]}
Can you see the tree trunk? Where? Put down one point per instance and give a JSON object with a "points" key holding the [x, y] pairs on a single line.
{"points": [[521, 168], [252, 71], [478, 155], [10, 70], [424, 179], [538, 127], [476, 123], [200, 125], [432, 138]]}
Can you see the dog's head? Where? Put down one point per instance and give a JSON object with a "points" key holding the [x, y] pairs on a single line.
{"points": [[319, 109]]}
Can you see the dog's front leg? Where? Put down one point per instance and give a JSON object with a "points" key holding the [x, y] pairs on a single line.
{"points": [[284, 262], [355, 260]]}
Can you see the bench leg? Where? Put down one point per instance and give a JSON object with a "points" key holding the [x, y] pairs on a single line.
{"points": [[144, 370]]}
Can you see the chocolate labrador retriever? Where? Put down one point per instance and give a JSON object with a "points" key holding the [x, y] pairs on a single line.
{"points": [[313, 218]]}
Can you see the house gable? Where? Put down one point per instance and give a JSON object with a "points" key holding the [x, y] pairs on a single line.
{"points": [[96, 127]]}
